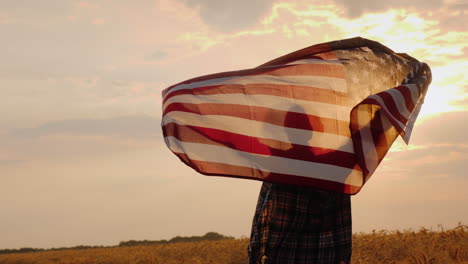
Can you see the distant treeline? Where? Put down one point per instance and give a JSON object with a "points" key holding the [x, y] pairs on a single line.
{"points": [[210, 236], [28, 250]]}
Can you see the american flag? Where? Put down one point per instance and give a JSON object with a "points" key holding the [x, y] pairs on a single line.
{"points": [[324, 116]]}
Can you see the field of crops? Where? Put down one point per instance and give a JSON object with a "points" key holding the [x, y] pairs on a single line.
{"points": [[396, 247]]}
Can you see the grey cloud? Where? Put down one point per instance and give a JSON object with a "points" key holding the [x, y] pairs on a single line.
{"points": [[10, 162], [455, 22], [446, 128], [459, 6], [139, 126], [56, 38], [23, 9], [54, 50], [444, 152], [156, 56], [230, 15], [450, 22], [358, 7], [120, 83], [437, 160]]}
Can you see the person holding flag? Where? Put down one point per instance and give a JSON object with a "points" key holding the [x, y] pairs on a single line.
{"points": [[313, 125]]}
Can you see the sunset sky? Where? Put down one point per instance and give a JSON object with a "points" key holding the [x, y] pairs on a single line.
{"points": [[82, 157]]}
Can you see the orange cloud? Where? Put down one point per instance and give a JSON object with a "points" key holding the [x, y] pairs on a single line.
{"points": [[98, 21], [408, 31]]}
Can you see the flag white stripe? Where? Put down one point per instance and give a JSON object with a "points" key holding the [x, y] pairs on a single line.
{"points": [[219, 154], [269, 101], [413, 88], [412, 121], [331, 83], [261, 130]]}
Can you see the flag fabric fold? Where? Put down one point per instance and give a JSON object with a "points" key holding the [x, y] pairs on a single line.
{"points": [[324, 116]]}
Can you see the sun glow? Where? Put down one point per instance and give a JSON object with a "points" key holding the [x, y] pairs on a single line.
{"points": [[403, 31], [416, 33], [448, 88]]}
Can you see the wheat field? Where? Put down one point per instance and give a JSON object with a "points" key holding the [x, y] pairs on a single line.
{"points": [[386, 247]]}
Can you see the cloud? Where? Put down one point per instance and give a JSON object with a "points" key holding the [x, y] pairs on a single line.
{"points": [[356, 8], [157, 56], [411, 31], [78, 39], [137, 127], [428, 167], [31, 103], [102, 83], [5, 18], [446, 128], [45, 10], [450, 14], [438, 150], [68, 140], [10, 162], [228, 16]]}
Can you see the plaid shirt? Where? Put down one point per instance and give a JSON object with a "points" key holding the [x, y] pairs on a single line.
{"points": [[294, 224]]}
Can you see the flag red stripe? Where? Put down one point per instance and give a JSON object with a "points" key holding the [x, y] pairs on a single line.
{"points": [[330, 55], [357, 141], [266, 115], [404, 90], [389, 112], [378, 135], [391, 106], [221, 169], [325, 70], [262, 146], [311, 57], [322, 56], [199, 111], [313, 182], [288, 91]]}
